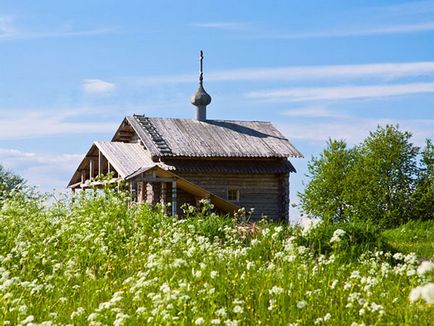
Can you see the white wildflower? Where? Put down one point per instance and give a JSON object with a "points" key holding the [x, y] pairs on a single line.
{"points": [[140, 310], [80, 311], [93, 316], [120, 319], [425, 267], [337, 235], [301, 304], [425, 292], [221, 312], [308, 225], [428, 293], [275, 290], [334, 283], [376, 307], [238, 309], [199, 321], [231, 322], [254, 242], [411, 272], [213, 274], [398, 256], [28, 319], [215, 322]]}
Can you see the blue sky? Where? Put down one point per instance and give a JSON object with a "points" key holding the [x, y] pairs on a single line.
{"points": [[70, 71]]}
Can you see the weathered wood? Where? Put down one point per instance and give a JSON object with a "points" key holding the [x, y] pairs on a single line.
{"points": [[213, 138], [99, 163], [173, 197], [163, 193], [259, 191], [90, 168], [155, 179]]}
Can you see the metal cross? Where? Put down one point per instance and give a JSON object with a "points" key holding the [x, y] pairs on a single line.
{"points": [[201, 66]]}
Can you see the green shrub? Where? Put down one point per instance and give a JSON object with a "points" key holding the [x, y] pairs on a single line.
{"points": [[354, 239]]}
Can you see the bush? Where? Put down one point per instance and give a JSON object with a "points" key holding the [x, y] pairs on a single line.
{"points": [[347, 240], [10, 183]]}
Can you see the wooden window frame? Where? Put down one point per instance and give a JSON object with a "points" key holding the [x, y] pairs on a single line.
{"points": [[231, 192]]}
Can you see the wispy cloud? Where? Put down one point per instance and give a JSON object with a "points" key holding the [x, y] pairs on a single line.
{"points": [[346, 32], [221, 25], [6, 27], [9, 31], [45, 170], [340, 92], [22, 125], [353, 130], [375, 70], [311, 112], [97, 86], [409, 8], [385, 71]]}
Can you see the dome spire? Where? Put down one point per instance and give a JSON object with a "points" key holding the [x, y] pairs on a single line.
{"points": [[201, 98]]}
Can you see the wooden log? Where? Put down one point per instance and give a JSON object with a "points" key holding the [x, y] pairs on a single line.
{"points": [[173, 197]]}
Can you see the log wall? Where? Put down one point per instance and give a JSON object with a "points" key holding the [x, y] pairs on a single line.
{"points": [[267, 193]]}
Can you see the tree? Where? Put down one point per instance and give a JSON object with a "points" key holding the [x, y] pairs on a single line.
{"points": [[382, 180], [423, 196], [376, 180], [9, 182], [323, 196]]}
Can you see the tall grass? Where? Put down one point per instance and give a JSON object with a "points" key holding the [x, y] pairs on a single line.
{"points": [[415, 236], [97, 261]]}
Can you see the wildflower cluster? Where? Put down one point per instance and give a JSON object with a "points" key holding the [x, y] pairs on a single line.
{"points": [[98, 261]]}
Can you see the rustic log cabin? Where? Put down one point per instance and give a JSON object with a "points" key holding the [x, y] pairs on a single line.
{"points": [[234, 164]]}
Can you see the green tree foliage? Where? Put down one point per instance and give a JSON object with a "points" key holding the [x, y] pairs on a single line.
{"points": [[378, 180], [382, 180], [9, 183], [423, 195], [324, 194]]}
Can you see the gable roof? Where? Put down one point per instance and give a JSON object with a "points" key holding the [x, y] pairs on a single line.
{"points": [[126, 158], [167, 137]]}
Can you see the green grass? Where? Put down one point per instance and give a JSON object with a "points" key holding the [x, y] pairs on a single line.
{"points": [[415, 236], [97, 261]]}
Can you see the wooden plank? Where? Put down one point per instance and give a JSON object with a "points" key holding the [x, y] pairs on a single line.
{"points": [[174, 198]]}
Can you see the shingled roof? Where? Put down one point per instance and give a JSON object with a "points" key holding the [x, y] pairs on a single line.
{"points": [[125, 158], [167, 137]]}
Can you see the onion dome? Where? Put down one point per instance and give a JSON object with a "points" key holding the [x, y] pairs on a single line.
{"points": [[201, 98]]}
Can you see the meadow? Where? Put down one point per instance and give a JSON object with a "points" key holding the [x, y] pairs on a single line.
{"points": [[96, 260]]}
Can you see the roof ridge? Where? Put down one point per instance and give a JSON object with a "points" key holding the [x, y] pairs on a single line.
{"points": [[157, 139], [190, 119]]}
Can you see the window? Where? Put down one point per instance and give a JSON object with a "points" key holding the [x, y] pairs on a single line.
{"points": [[233, 194]]}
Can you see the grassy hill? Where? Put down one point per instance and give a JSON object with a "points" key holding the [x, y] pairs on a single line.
{"points": [[97, 261]]}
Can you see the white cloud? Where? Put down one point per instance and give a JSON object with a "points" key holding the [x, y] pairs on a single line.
{"points": [[9, 31], [347, 32], [377, 70], [384, 71], [354, 130], [6, 26], [97, 86], [340, 92], [310, 112], [409, 8], [45, 170], [21, 125], [221, 25]]}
